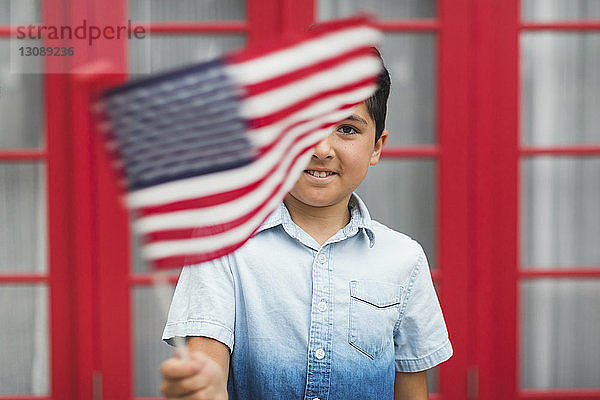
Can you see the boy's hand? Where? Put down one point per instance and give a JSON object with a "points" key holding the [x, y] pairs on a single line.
{"points": [[199, 378]]}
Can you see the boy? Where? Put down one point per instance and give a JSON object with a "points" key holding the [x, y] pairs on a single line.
{"points": [[322, 302]]}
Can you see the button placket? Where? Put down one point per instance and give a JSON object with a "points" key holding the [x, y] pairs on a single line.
{"points": [[320, 331]]}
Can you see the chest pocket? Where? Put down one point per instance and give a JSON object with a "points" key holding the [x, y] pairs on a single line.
{"points": [[374, 310]]}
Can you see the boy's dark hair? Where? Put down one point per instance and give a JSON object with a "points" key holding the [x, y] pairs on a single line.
{"points": [[377, 104]]}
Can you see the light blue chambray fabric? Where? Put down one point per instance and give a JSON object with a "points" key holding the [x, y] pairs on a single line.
{"points": [[305, 321]]}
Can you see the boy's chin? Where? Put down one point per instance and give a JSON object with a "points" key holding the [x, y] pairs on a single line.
{"points": [[315, 200]]}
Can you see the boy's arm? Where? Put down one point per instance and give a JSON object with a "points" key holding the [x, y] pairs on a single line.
{"points": [[203, 376], [410, 386]]}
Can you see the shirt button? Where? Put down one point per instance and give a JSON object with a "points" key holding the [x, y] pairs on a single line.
{"points": [[320, 354], [322, 306], [322, 258]]}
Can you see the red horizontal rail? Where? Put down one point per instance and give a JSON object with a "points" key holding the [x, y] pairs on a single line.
{"points": [[23, 278], [582, 150], [578, 272], [590, 394], [21, 155], [194, 27], [415, 151], [575, 25], [148, 279], [416, 25], [7, 31]]}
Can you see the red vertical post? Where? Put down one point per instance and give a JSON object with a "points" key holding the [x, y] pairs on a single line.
{"points": [[454, 54], [62, 339], [113, 318], [495, 196]]}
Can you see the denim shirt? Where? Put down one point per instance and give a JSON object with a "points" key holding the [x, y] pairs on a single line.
{"points": [[304, 321]]}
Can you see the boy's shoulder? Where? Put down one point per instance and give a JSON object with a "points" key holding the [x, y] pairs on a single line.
{"points": [[388, 239]]}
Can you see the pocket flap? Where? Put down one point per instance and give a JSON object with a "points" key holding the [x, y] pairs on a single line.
{"points": [[379, 294]]}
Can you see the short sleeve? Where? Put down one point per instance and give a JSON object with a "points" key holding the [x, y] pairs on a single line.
{"points": [[203, 303], [421, 338]]}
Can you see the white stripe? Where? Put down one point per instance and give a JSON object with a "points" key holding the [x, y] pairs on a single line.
{"points": [[303, 54], [172, 248], [263, 136], [226, 212], [277, 99], [213, 183]]}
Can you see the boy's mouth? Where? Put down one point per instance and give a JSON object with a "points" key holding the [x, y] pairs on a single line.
{"points": [[319, 174]]}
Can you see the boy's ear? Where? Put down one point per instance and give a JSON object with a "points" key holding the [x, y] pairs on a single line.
{"points": [[378, 147]]}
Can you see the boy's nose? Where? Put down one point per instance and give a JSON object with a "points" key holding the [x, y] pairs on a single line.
{"points": [[324, 149]]}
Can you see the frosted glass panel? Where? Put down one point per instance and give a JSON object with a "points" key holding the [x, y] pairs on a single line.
{"points": [[411, 61], [24, 344], [402, 195], [160, 52], [560, 213], [560, 91], [21, 99], [548, 10], [385, 9], [187, 10], [150, 350], [22, 217], [19, 11], [559, 334]]}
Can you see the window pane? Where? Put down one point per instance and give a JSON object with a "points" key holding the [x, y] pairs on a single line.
{"points": [[150, 350], [160, 52], [402, 195], [22, 217], [559, 333], [387, 9], [187, 10], [24, 344], [411, 61], [560, 95], [20, 12], [21, 99], [548, 10], [560, 217]]}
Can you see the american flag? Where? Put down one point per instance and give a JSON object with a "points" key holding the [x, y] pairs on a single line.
{"points": [[207, 152]]}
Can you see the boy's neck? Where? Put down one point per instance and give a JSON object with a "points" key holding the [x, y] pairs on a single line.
{"points": [[320, 223]]}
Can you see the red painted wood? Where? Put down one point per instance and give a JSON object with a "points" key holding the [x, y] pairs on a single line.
{"points": [[22, 155], [221, 27], [23, 278], [264, 20], [410, 152], [578, 272], [574, 25], [494, 216], [411, 25], [583, 150], [561, 394], [62, 317], [148, 279], [506, 239], [453, 230]]}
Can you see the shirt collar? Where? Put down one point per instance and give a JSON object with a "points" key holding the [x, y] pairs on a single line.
{"points": [[359, 218]]}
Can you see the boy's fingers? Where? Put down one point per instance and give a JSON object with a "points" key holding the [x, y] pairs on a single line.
{"points": [[187, 386], [176, 368]]}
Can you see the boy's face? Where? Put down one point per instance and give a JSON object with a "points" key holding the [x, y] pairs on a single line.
{"points": [[344, 156]]}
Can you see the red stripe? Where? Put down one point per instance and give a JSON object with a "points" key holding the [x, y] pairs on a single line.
{"points": [[191, 259], [281, 114], [265, 48], [290, 77]]}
